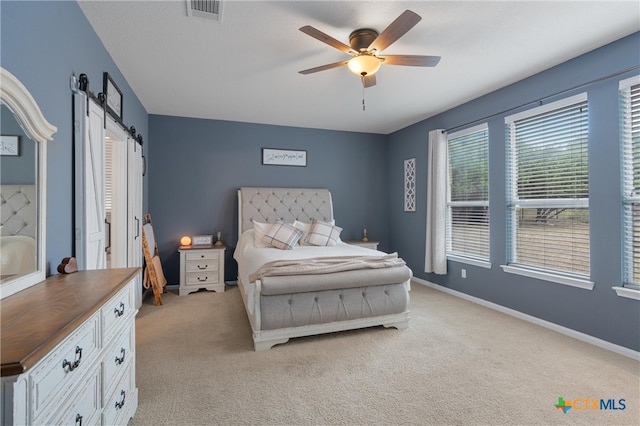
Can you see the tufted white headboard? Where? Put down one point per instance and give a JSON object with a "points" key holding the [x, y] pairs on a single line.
{"points": [[287, 204], [18, 208]]}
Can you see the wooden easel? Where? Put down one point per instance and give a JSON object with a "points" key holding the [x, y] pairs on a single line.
{"points": [[152, 277]]}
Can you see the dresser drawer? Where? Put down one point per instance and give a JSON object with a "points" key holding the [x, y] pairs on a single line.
{"points": [[202, 265], [203, 254], [117, 358], [116, 312], [195, 279], [53, 378], [118, 405], [83, 405]]}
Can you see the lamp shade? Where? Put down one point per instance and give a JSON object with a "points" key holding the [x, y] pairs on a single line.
{"points": [[364, 64], [185, 241]]}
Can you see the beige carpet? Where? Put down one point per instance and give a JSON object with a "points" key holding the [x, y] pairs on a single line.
{"points": [[458, 363]]}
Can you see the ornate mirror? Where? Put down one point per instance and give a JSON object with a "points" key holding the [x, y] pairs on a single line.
{"points": [[23, 187]]}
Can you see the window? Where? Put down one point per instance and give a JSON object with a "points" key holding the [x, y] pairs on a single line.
{"points": [[468, 195], [630, 139], [548, 191]]}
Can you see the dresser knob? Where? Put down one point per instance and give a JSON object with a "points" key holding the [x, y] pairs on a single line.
{"points": [[121, 359], [120, 404], [120, 312], [73, 365]]}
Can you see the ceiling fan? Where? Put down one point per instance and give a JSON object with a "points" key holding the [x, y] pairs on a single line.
{"points": [[366, 45]]}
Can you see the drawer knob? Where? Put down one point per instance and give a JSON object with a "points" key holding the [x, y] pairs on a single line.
{"points": [[202, 279], [121, 359], [120, 312], [70, 366], [78, 419], [203, 267], [120, 404]]}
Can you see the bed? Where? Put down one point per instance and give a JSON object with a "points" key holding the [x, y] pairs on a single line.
{"points": [[17, 229], [311, 288]]}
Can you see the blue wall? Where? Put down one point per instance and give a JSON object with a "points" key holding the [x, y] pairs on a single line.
{"points": [[198, 165], [600, 312], [42, 44]]}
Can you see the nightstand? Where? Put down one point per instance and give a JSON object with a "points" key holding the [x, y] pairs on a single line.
{"points": [[201, 267], [366, 244]]}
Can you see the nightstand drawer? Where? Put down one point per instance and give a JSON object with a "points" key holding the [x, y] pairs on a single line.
{"points": [[196, 279], [202, 265], [203, 255], [201, 268]]}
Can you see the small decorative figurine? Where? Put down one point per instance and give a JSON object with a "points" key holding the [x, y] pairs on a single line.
{"points": [[364, 234], [68, 265]]}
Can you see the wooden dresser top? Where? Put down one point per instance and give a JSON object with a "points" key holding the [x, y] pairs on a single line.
{"points": [[36, 319]]}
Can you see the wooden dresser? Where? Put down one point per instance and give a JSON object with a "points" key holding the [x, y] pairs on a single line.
{"points": [[68, 350]]}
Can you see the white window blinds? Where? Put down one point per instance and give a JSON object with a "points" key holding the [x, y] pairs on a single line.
{"points": [[468, 194], [630, 139], [548, 188]]}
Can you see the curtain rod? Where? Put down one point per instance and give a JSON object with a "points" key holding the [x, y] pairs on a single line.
{"points": [[540, 100]]}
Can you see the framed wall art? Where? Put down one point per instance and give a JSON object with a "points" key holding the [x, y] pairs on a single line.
{"points": [[284, 157], [410, 185], [114, 97], [9, 145]]}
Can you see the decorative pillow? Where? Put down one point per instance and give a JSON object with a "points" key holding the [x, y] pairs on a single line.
{"points": [[323, 234], [304, 227], [261, 230], [283, 236]]}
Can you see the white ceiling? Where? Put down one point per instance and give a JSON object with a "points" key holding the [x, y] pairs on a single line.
{"points": [[245, 68]]}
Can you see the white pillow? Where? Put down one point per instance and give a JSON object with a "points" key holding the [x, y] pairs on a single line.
{"points": [[304, 227], [323, 234], [261, 230], [283, 236]]}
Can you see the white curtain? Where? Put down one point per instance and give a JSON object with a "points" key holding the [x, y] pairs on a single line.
{"points": [[435, 250]]}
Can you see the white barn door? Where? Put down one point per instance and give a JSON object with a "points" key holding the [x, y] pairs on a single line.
{"points": [[90, 211], [134, 166]]}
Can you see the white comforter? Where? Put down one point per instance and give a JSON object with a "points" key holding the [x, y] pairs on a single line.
{"points": [[250, 257], [17, 255]]}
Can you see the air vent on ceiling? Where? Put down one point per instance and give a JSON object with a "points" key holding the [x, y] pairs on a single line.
{"points": [[209, 9]]}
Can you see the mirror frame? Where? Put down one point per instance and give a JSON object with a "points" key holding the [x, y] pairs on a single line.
{"points": [[28, 115]]}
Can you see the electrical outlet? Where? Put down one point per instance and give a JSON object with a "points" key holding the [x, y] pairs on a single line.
{"points": [[464, 273]]}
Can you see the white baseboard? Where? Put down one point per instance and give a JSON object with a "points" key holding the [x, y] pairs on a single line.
{"points": [[621, 350]]}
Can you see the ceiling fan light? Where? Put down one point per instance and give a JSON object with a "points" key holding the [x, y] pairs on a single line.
{"points": [[364, 64]]}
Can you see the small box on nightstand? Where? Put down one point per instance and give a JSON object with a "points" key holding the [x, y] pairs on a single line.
{"points": [[201, 266], [367, 244]]}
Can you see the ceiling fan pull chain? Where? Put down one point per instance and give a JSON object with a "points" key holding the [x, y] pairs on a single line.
{"points": [[363, 107]]}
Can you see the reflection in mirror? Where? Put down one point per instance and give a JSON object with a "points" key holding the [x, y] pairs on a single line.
{"points": [[18, 200], [22, 187]]}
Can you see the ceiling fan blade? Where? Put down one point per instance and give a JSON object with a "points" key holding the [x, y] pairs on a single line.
{"points": [[323, 67], [325, 38], [368, 80], [395, 30], [411, 60]]}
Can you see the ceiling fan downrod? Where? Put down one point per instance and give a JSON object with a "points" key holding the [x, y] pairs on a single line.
{"points": [[363, 106]]}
